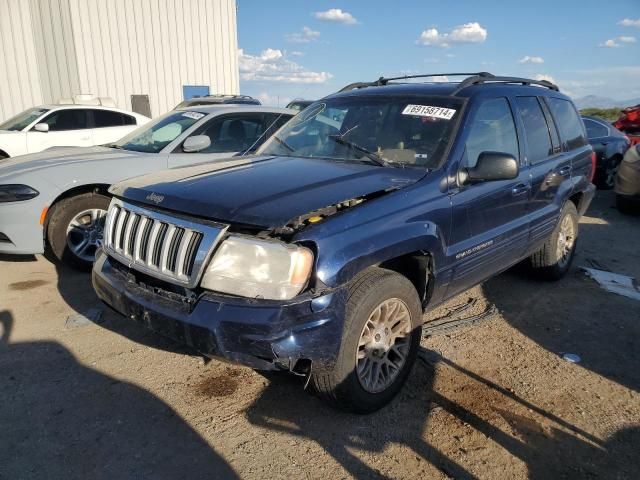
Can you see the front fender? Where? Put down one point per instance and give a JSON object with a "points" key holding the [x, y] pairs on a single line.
{"points": [[411, 220]]}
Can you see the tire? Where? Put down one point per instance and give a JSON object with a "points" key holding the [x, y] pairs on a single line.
{"points": [[627, 206], [605, 178], [548, 262], [373, 291], [61, 236]]}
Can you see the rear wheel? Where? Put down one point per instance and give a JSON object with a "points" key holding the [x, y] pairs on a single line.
{"points": [[380, 341], [554, 259], [75, 230], [606, 178]]}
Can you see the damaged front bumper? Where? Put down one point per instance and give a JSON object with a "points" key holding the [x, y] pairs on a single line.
{"points": [[264, 335]]}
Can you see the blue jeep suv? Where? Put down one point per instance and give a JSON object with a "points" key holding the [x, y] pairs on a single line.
{"points": [[319, 254]]}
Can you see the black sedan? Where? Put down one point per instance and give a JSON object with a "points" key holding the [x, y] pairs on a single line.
{"points": [[610, 144]]}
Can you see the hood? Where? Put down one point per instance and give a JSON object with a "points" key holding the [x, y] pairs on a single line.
{"points": [[58, 155], [265, 192], [9, 132]]}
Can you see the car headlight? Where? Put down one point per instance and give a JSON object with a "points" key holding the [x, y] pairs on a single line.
{"points": [[17, 193], [255, 268]]}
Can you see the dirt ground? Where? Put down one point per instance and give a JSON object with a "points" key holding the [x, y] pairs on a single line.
{"points": [[108, 399]]}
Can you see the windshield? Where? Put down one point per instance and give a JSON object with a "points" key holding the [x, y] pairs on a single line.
{"points": [[389, 130], [22, 120], [154, 136]]}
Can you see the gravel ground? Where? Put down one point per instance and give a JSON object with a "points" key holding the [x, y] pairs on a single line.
{"points": [[107, 399]]}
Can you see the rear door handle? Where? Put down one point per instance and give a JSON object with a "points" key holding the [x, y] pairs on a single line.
{"points": [[520, 189], [565, 171]]}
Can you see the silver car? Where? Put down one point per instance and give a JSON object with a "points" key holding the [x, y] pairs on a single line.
{"points": [[58, 198]]}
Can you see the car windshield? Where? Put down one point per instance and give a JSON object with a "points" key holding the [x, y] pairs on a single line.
{"points": [[154, 136], [22, 120], [387, 130]]}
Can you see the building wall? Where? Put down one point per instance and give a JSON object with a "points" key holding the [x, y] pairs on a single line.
{"points": [[19, 78], [58, 48]]}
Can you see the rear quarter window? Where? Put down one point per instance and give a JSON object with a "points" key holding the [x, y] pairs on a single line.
{"points": [[568, 122]]}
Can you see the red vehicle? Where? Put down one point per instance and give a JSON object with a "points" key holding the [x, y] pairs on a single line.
{"points": [[629, 123]]}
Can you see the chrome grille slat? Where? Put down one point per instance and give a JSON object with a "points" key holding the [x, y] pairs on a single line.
{"points": [[138, 237], [163, 246], [166, 246]]}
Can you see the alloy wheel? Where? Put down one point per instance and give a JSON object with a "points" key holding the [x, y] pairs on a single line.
{"points": [[85, 233], [384, 345]]}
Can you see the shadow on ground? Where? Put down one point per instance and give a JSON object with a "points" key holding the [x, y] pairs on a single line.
{"points": [[574, 314], [557, 450], [60, 419]]}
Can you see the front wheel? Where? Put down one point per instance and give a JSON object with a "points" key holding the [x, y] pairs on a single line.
{"points": [[75, 230], [380, 341], [554, 259]]}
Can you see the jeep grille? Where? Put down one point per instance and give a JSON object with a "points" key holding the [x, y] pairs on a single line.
{"points": [[160, 245]]}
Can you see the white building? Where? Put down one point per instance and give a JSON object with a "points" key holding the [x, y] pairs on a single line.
{"points": [[167, 50]]}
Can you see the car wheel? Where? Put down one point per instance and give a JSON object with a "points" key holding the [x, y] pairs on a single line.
{"points": [[627, 206], [554, 259], [606, 178], [75, 229], [380, 341]]}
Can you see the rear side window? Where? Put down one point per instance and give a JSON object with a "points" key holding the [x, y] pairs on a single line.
{"points": [[71, 119], [535, 128], [595, 129], [106, 118], [568, 122], [492, 130]]}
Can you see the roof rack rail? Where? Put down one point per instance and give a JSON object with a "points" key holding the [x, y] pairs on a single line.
{"points": [[385, 80], [475, 78], [487, 78]]}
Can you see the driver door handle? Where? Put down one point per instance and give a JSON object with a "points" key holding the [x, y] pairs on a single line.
{"points": [[520, 188], [565, 171]]}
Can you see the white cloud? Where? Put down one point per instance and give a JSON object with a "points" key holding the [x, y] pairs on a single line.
{"points": [[273, 66], [528, 59], [467, 33], [627, 39], [336, 15], [296, 53], [611, 43], [548, 78], [307, 35], [628, 22]]}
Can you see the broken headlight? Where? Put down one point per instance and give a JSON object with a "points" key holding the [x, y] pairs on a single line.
{"points": [[255, 268]]}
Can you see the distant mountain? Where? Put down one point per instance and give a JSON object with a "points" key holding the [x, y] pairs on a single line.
{"points": [[595, 101]]}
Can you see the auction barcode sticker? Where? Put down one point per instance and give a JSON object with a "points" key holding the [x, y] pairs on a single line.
{"points": [[427, 111], [193, 115]]}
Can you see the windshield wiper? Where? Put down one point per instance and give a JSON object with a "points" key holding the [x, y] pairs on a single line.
{"points": [[374, 157], [113, 145]]}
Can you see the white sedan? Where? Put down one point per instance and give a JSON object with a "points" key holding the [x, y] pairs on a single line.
{"points": [[60, 197], [47, 126]]}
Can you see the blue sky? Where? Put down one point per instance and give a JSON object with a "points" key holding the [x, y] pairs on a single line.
{"points": [[308, 49]]}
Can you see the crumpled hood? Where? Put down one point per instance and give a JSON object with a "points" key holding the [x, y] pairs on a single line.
{"points": [[55, 156], [265, 192]]}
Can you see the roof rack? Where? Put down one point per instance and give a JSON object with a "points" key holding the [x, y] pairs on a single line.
{"points": [[489, 78], [476, 78]]}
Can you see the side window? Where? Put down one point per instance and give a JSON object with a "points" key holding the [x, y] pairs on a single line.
{"points": [[70, 119], [594, 129], [535, 128], [232, 133], [568, 121], [107, 118], [492, 129]]}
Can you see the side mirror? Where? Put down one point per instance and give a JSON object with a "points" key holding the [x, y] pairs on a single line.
{"points": [[196, 143], [492, 166], [41, 127]]}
